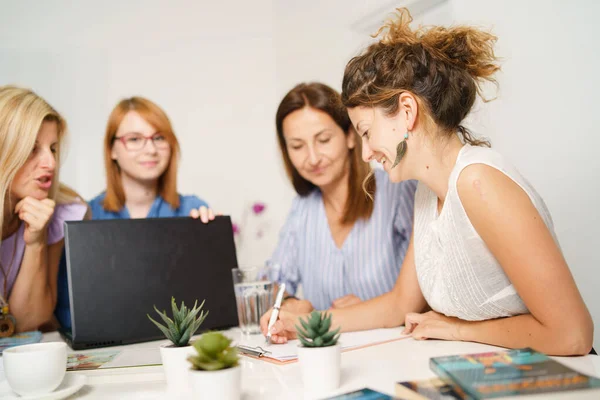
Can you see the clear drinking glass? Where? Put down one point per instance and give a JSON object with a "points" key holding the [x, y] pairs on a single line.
{"points": [[254, 295]]}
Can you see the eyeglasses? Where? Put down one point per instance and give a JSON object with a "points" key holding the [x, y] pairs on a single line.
{"points": [[136, 141]]}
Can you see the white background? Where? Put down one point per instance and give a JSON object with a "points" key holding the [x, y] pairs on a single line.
{"points": [[219, 70]]}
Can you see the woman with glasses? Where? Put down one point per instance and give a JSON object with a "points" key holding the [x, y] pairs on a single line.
{"points": [[141, 154]]}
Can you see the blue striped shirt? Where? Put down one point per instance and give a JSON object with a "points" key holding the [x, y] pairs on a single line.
{"points": [[367, 264]]}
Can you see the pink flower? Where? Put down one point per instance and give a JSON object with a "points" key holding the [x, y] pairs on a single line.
{"points": [[258, 208], [236, 229]]}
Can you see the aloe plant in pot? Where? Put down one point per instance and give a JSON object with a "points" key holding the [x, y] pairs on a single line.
{"points": [[178, 330], [319, 352], [215, 372]]}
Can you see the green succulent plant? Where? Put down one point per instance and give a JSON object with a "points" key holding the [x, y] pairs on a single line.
{"points": [[184, 324], [214, 353], [315, 331]]}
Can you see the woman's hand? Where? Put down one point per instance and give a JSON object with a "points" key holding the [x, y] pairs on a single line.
{"points": [[204, 213], [346, 301], [297, 306], [432, 325], [284, 328], [36, 214]]}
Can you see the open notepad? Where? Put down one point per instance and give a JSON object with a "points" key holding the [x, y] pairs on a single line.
{"points": [[286, 353]]}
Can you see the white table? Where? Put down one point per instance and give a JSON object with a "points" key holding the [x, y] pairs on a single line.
{"points": [[378, 367]]}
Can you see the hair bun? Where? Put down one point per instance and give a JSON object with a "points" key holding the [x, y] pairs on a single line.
{"points": [[463, 46]]}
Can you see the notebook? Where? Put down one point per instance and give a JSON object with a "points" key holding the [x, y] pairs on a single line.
{"points": [[288, 352]]}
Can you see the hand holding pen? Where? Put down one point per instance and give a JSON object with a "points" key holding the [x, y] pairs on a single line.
{"points": [[284, 326], [275, 311]]}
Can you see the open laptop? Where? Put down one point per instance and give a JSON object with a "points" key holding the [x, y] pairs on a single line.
{"points": [[119, 269]]}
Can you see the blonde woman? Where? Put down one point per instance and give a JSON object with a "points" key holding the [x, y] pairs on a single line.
{"points": [[34, 203]]}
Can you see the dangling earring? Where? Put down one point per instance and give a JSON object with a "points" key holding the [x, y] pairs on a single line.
{"points": [[401, 150]]}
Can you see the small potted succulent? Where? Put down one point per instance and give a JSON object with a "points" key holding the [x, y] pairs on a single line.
{"points": [[319, 353], [178, 330], [215, 372]]}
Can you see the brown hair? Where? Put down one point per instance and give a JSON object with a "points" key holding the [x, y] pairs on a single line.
{"points": [[442, 67], [155, 116], [322, 97]]}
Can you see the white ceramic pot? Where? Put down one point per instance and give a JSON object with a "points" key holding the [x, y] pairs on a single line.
{"points": [[176, 367], [320, 367], [224, 384]]}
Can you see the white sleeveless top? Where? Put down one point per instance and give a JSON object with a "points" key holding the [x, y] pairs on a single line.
{"points": [[458, 275]]}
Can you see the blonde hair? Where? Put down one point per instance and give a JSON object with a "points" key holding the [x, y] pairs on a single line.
{"points": [[22, 113], [155, 116]]}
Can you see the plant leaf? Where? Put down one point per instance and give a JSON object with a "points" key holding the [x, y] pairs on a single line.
{"points": [[189, 317], [301, 332], [230, 356], [176, 335], [305, 342], [209, 366], [185, 337], [315, 318], [164, 317], [164, 330], [329, 335], [304, 323], [335, 339], [325, 325], [175, 311]]}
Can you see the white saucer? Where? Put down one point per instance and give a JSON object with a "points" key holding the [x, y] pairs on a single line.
{"points": [[70, 384]]}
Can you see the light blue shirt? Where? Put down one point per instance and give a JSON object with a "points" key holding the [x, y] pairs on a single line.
{"points": [[160, 208], [369, 261]]}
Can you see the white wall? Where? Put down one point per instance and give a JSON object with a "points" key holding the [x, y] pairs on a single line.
{"points": [[210, 65], [545, 118], [220, 69]]}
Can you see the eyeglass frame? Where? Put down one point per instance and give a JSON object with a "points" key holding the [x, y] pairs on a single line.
{"points": [[145, 139]]}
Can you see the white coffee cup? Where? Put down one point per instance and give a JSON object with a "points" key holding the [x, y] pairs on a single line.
{"points": [[35, 369]]}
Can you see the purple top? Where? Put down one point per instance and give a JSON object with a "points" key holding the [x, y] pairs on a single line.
{"points": [[56, 231]]}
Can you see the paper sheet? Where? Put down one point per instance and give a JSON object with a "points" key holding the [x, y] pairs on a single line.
{"points": [[135, 358], [348, 341]]}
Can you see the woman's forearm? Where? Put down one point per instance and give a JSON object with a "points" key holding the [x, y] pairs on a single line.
{"points": [[384, 311], [525, 331], [32, 299]]}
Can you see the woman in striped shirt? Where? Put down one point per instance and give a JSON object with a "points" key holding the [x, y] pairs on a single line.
{"points": [[340, 245]]}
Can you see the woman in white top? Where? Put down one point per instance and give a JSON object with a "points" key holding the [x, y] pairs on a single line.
{"points": [[483, 254]]}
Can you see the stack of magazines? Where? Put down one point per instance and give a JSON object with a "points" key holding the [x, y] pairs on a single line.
{"points": [[500, 374]]}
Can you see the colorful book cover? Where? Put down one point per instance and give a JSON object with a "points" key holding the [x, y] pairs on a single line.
{"points": [[509, 373], [428, 389], [77, 362], [362, 394], [19, 339]]}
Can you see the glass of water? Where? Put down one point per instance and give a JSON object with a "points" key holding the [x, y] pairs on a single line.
{"points": [[254, 295]]}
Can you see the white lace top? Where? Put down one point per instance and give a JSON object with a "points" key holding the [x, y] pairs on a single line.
{"points": [[458, 275]]}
